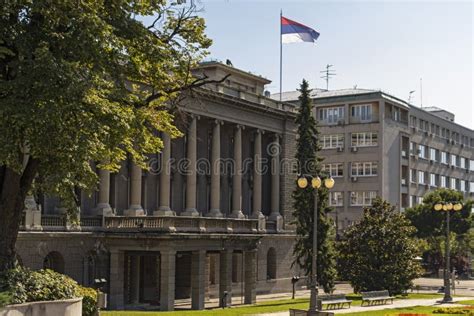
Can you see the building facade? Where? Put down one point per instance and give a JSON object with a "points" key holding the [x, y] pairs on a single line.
{"points": [[208, 218], [375, 144]]}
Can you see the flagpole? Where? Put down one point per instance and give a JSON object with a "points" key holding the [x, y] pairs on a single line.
{"points": [[281, 56]]}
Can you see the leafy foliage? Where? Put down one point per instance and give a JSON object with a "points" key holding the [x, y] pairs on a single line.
{"points": [[429, 222], [89, 300], [309, 164], [378, 252], [85, 84], [431, 227], [25, 285]]}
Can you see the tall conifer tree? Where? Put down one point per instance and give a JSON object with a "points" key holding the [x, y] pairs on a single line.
{"points": [[310, 164]]}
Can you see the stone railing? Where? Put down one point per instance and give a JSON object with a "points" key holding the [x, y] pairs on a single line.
{"points": [[53, 222], [177, 224], [165, 224]]}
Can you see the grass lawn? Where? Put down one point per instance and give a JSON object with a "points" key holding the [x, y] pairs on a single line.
{"points": [[263, 307]]}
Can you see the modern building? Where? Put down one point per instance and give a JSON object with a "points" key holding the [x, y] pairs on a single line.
{"points": [[209, 218], [376, 144]]}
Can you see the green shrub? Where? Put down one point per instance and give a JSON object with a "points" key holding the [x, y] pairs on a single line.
{"points": [[5, 298], [42, 285], [25, 285], [89, 300]]}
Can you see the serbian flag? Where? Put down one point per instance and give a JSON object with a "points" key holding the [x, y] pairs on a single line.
{"points": [[294, 32]]}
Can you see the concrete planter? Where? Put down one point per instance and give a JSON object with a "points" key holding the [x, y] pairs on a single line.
{"points": [[71, 307]]}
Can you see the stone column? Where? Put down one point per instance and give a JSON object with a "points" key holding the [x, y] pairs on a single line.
{"points": [[134, 279], [167, 281], [191, 179], [257, 181], [135, 208], [275, 190], [237, 176], [103, 206], [165, 177], [116, 282], [250, 295], [225, 277], [215, 171], [32, 214], [198, 279]]}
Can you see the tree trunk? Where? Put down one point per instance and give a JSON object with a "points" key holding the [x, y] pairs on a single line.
{"points": [[13, 190]]}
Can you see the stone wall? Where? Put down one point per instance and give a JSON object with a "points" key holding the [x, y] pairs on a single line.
{"points": [[71, 307]]}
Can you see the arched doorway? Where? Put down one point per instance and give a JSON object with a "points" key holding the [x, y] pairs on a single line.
{"points": [[54, 261]]}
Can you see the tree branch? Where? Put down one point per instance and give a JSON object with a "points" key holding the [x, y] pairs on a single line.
{"points": [[199, 82]]}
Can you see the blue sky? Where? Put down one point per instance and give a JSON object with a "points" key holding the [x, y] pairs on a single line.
{"points": [[375, 45]]}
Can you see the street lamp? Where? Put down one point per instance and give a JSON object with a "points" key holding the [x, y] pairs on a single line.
{"points": [[316, 183], [447, 207]]}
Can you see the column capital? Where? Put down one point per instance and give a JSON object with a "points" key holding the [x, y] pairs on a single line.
{"points": [[218, 122], [259, 131], [239, 126]]}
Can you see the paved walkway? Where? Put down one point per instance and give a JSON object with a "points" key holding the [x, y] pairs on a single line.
{"points": [[396, 304]]}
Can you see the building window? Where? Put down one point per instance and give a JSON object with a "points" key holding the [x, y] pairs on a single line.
{"points": [[422, 151], [471, 165], [364, 139], [331, 115], [420, 200], [336, 198], [453, 183], [453, 160], [362, 198], [421, 177], [334, 169], [412, 200], [432, 179], [412, 121], [332, 141], [362, 112], [412, 175], [359, 169], [444, 157], [462, 186], [462, 162], [271, 264], [433, 154], [471, 187], [442, 182]]}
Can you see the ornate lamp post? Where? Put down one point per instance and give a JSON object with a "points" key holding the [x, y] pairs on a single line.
{"points": [[447, 207], [316, 183]]}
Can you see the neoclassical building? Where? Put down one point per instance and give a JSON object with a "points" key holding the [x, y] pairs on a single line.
{"points": [[208, 218]]}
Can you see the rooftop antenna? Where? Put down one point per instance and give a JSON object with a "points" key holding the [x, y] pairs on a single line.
{"points": [[328, 73], [421, 92], [410, 95]]}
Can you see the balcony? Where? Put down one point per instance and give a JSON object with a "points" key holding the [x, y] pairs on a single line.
{"points": [[159, 224]]}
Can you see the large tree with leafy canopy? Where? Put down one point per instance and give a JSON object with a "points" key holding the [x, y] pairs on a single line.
{"points": [[81, 82], [378, 252], [309, 164], [431, 227]]}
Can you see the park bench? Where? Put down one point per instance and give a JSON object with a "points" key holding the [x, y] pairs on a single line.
{"points": [[301, 312], [376, 297], [333, 301]]}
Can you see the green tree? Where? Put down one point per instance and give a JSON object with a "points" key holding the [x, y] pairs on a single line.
{"points": [[431, 226], [378, 252], [432, 223], [81, 82], [310, 164]]}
